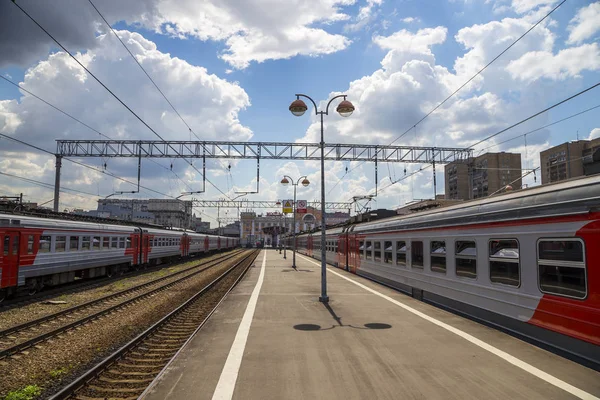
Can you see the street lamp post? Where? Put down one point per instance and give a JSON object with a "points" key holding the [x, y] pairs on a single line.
{"points": [[305, 182], [345, 109]]}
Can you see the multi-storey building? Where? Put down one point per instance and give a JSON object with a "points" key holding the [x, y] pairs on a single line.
{"points": [[482, 176], [253, 225], [570, 160]]}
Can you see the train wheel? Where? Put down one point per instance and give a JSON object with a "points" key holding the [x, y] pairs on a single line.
{"points": [[33, 287], [2, 295]]}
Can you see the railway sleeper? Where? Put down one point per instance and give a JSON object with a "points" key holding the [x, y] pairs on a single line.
{"points": [[148, 359], [136, 366], [82, 397], [153, 349], [125, 381], [133, 373], [114, 390]]}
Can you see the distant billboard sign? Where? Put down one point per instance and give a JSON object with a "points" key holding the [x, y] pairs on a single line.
{"points": [[301, 207], [287, 206]]}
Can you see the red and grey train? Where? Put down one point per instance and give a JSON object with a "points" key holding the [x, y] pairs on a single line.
{"points": [[37, 252], [527, 262]]}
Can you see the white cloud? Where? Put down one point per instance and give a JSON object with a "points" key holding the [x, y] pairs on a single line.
{"points": [[585, 24], [409, 20], [419, 42], [366, 16], [594, 134], [567, 63], [209, 104], [252, 30], [523, 6]]}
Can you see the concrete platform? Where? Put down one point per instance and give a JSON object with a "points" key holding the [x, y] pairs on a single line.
{"points": [[370, 342]]}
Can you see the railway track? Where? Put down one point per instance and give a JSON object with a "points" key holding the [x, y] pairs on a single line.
{"points": [[127, 373], [20, 337], [22, 299]]}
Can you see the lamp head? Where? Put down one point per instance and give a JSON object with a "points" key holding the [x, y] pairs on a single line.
{"points": [[285, 181], [345, 108], [305, 182], [298, 107]]}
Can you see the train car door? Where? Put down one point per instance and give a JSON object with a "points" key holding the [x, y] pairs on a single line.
{"points": [[146, 249], [341, 251], [137, 249], [10, 258], [206, 246], [353, 253]]}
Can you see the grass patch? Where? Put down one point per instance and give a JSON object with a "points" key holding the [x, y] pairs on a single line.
{"points": [[57, 373], [29, 392]]}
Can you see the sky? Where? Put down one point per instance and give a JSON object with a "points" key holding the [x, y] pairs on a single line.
{"points": [[231, 68]]}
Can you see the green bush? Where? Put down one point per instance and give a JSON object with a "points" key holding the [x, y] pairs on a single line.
{"points": [[27, 393]]}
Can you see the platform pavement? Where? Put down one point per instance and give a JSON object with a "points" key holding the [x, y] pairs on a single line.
{"points": [[369, 342]]}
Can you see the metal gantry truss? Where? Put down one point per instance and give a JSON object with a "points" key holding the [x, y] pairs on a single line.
{"points": [[259, 150], [139, 149], [251, 204]]}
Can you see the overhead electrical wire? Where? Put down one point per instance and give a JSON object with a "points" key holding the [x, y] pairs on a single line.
{"points": [[49, 185], [470, 79], [540, 128], [145, 72], [536, 114], [113, 94], [80, 121], [83, 165]]}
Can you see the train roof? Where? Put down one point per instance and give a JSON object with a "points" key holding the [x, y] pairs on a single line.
{"points": [[575, 196], [13, 220]]}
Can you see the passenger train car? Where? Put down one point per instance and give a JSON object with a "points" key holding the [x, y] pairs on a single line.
{"points": [[527, 261], [37, 252]]}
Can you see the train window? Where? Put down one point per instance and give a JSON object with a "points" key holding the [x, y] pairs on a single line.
{"points": [[60, 244], [466, 258], [105, 243], [561, 267], [30, 244], [361, 249], [504, 261], [85, 243], [401, 253], [15, 249], [128, 243], [438, 256], [6, 244], [416, 254], [377, 251], [369, 250], [45, 242], [73, 243], [121, 242], [387, 252], [96, 242]]}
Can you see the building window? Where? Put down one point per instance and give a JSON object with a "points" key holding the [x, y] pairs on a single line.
{"points": [[438, 256], [504, 261], [377, 251], [401, 253], [45, 243], [561, 267], [416, 253], [466, 258], [388, 249]]}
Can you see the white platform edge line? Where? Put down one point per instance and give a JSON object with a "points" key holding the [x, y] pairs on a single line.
{"points": [[231, 369], [502, 354]]}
